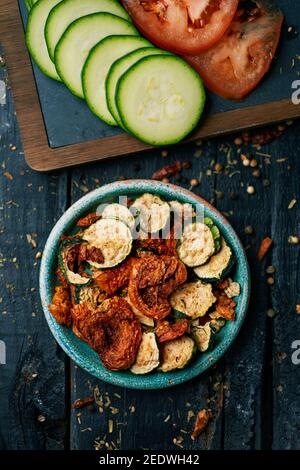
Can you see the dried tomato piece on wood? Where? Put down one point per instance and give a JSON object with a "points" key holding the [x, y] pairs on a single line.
{"points": [[264, 248], [202, 421], [61, 306]]}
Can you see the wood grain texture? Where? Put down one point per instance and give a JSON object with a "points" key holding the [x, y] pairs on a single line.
{"points": [[41, 157], [32, 383]]}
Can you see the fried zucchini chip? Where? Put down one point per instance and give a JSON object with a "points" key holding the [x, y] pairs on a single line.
{"points": [[61, 306], [113, 279], [166, 331], [112, 330], [152, 280]]}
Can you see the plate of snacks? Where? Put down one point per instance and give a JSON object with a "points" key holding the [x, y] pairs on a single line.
{"points": [[144, 284]]}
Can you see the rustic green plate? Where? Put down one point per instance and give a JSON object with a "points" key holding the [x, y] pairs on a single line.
{"points": [[78, 350]]}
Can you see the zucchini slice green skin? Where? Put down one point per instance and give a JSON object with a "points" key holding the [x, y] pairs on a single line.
{"points": [[168, 102], [35, 38], [79, 39], [29, 4], [177, 354], [147, 358], [113, 237], [197, 244], [97, 66], [153, 213], [192, 300], [70, 276], [116, 71], [67, 11], [215, 233], [218, 266], [203, 336]]}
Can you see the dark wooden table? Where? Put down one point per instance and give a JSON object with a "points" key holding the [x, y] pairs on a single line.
{"points": [[254, 392]]}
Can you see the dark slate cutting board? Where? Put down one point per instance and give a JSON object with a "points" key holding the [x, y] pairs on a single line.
{"points": [[69, 121]]}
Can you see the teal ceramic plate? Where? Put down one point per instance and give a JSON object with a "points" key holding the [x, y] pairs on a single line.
{"points": [[79, 351]]}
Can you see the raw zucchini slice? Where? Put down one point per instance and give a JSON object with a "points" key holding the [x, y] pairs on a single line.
{"points": [[97, 67], [119, 212], [203, 336], [35, 38], [218, 266], [147, 358], [146, 321], [29, 4], [69, 275], [192, 299], [160, 99], [215, 233], [118, 69], [177, 354], [113, 238], [68, 11], [153, 212], [197, 244], [79, 39]]}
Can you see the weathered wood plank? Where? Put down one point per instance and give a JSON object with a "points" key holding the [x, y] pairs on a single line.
{"points": [[142, 415], [285, 293], [32, 382]]}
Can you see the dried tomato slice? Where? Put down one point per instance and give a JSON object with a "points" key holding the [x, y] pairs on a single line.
{"points": [[88, 220], [157, 246], [152, 280], [224, 305], [111, 280], [61, 306], [112, 330], [166, 331]]}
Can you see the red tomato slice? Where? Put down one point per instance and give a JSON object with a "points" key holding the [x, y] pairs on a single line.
{"points": [[234, 66], [182, 26]]}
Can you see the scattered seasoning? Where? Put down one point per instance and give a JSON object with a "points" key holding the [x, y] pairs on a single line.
{"points": [[279, 388], [249, 230], [177, 441], [256, 173], [167, 171], [164, 153], [202, 420], [132, 409], [218, 167], [167, 418], [250, 190], [246, 162], [41, 418], [219, 194], [266, 183], [38, 255], [270, 270], [271, 313], [264, 248], [263, 136], [253, 163], [298, 309], [270, 280], [186, 165], [293, 240], [8, 175], [190, 415], [238, 141], [81, 403], [110, 426], [194, 182], [292, 204]]}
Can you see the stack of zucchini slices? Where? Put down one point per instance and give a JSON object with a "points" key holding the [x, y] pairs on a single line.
{"points": [[95, 50]]}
